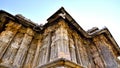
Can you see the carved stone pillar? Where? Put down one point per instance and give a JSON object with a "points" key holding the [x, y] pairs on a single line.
{"points": [[60, 45], [72, 50], [12, 50], [21, 54], [44, 54], [36, 56], [7, 36], [96, 57], [83, 53], [31, 54]]}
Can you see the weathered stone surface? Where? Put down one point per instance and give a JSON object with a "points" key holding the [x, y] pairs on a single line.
{"points": [[12, 49], [72, 50], [31, 54], [21, 54], [105, 52], [44, 53], [60, 43], [7, 36], [36, 56], [98, 62]]}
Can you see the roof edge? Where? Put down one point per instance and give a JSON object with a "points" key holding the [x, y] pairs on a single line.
{"points": [[18, 19], [71, 20]]}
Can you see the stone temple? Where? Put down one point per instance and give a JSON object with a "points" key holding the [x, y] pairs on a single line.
{"points": [[60, 43]]}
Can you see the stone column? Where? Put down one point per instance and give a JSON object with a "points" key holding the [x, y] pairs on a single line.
{"points": [[60, 44], [83, 53], [7, 36], [72, 50], [98, 62], [36, 56], [12, 50], [22, 52], [44, 54], [78, 56], [31, 54]]}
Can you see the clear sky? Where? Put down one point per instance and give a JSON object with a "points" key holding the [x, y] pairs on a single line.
{"points": [[88, 13]]}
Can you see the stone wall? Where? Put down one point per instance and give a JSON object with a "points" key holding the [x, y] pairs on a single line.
{"points": [[22, 47]]}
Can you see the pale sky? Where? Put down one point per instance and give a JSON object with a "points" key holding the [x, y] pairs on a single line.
{"points": [[87, 13]]}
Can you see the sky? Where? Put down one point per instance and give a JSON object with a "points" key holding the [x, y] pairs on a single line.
{"points": [[87, 13]]}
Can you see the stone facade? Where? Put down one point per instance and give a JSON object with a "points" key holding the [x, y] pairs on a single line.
{"points": [[60, 43]]}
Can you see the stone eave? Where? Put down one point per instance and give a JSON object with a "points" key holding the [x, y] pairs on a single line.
{"points": [[18, 20], [56, 16], [7, 14], [57, 12], [60, 62], [107, 33]]}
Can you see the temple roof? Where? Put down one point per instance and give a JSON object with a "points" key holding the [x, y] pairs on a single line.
{"points": [[61, 14]]}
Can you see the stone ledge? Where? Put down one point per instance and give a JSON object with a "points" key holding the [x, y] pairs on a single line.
{"points": [[60, 62], [5, 66]]}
